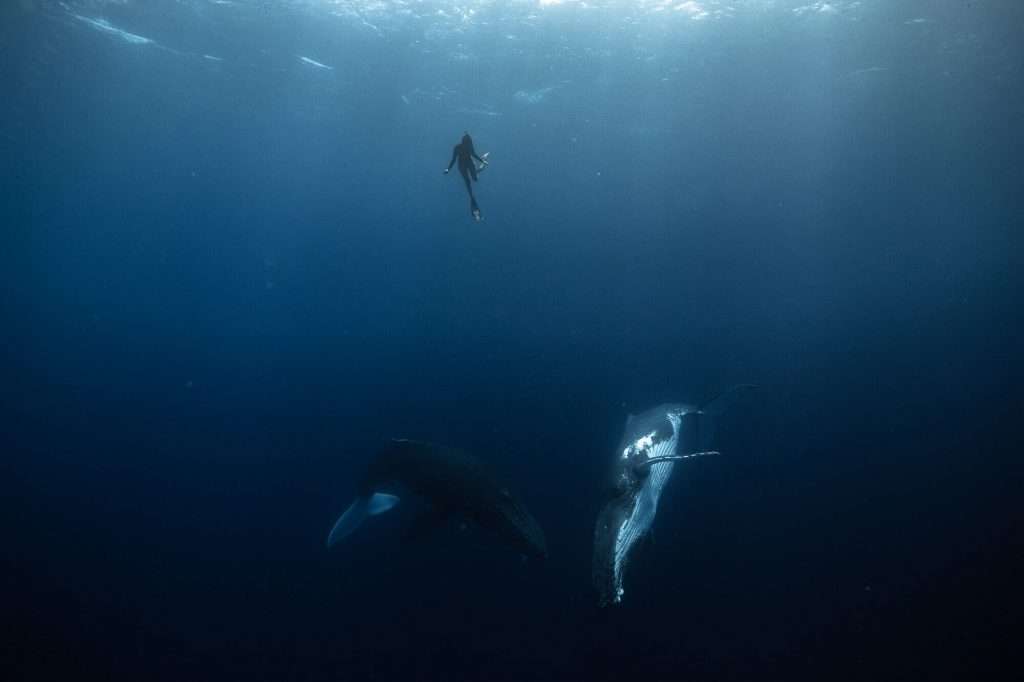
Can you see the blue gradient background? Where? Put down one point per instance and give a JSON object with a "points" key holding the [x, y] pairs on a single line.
{"points": [[226, 281]]}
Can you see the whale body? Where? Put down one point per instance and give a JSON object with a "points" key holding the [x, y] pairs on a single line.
{"points": [[653, 443], [454, 484]]}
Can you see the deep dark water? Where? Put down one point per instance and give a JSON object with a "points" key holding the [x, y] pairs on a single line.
{"points": [[225, 282]]}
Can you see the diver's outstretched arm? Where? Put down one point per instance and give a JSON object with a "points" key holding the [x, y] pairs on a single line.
{"points": [[455, 154]]}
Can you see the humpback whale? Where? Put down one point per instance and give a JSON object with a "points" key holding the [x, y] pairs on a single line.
{"points": [[653, 442], [454, 484]]}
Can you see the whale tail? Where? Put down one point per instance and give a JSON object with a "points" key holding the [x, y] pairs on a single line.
{"points": [[358, 511]]}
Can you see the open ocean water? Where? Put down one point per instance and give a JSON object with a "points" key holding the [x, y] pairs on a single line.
{"points": [[231, 267]]}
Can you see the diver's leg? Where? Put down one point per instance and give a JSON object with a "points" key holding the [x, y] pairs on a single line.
{"points": [[473, 208], [472, 171]]}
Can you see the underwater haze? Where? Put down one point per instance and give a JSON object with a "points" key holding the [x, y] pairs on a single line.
{"points": [[232, 268]]}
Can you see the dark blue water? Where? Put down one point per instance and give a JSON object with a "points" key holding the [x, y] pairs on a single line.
{"points": [[228, 273]]}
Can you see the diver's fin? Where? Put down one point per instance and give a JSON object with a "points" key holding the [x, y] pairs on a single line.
{"points": [[676, 458], [726, 399], [475, 209], [378, 503]]}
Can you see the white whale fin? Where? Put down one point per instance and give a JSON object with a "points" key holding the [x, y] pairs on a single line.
{"points": [[678, 458], [378, 503]]}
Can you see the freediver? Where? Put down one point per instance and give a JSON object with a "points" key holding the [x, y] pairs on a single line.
{"points": [[465, 154]]}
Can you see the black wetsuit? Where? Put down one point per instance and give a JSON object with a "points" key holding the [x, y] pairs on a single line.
{"points": [[464, 153]]}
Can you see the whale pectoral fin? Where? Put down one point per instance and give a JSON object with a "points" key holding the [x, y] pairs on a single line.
{"points": [[677, 458], [378, 503], [381, 502]]}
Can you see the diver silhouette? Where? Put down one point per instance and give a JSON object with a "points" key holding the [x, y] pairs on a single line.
{"points": [[464, 153]]}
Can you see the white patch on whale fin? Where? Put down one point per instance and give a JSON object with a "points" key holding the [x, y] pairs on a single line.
{"points": [[381, 502], [378, 503]]}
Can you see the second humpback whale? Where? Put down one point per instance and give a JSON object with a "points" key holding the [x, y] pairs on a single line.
{"points": [[453, 483], [653, 442]]}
